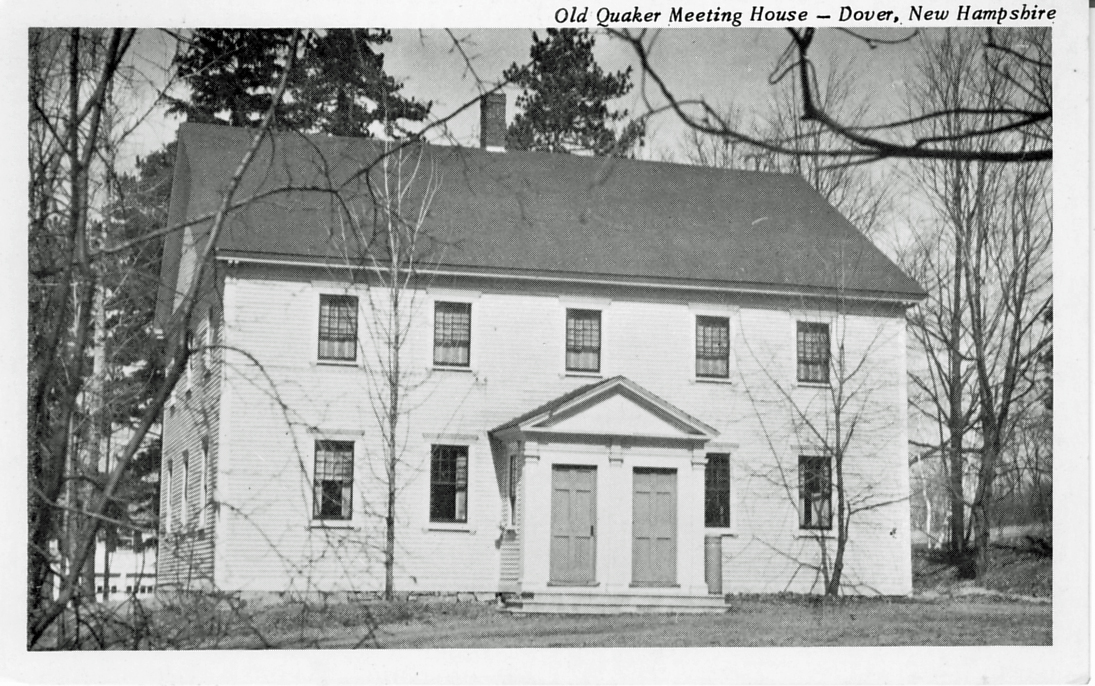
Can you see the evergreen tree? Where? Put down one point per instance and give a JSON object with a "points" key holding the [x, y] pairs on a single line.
{"points": [[338, 85], [343, 89], [564, 102], [230, 72]]}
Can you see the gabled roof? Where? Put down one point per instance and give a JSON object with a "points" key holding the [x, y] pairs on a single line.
{"points": [[536, 214], [656, 414]]}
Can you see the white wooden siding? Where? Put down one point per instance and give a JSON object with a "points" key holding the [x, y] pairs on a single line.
{"points": [[281, 398], [185, 557]]}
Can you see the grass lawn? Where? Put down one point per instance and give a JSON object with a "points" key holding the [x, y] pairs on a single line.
{"points": [[752, 621]]}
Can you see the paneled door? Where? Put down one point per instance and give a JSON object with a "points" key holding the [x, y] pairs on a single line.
{"points": [[654, 527], [573, 524]]}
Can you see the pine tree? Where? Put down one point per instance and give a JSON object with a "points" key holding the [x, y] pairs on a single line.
{"points": [[564, 102], [343, 89], [338, 85]]}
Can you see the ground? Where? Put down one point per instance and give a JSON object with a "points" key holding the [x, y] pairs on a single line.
{"points": [[1009, 606]]}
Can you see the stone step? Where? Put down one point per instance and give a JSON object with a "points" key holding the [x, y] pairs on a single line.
{"points": [[615, 603]]}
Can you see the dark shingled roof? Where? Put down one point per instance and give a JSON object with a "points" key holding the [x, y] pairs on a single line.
{"points": [[537, 213]]}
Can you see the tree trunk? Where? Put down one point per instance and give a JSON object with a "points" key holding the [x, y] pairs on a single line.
{"points": [[956, 419]]}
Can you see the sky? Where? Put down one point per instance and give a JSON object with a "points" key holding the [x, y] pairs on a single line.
{"points": [[722, 66]]}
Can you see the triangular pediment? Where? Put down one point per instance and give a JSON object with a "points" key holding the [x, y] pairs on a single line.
{"points": [[615, 407]]}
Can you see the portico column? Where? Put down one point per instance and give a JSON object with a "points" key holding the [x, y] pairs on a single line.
{"points": [[616, 532], [691, 512], [536, 521]]}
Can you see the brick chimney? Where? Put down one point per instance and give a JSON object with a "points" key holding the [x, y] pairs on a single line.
{"points": [[492, 122]]}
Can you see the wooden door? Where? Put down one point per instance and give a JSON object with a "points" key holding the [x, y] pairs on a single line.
{"points": [[654, 527], [573, 524]]}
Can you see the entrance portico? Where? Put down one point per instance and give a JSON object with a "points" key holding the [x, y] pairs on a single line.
{"points": [[608, 500]]}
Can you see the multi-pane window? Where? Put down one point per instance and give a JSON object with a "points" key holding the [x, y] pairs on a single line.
{"points": [[333, 482], [183, 510], [716, 500], [207, 348], [583, 341], [513, 475], [203, 492], [338, 327], [713, 347], [452, 334], [815, 492], [449, 483], [813, 352], [168, 479], [189, 360]]}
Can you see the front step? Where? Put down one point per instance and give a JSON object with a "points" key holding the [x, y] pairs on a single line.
{"points": [[613, 603]]}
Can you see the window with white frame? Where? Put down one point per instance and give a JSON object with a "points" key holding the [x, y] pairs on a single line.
{"points": [[716, 501], [185, 501], [189, 360], [452, 334], [168, 479], [712, 347], [813, 352], [333, 480], [338, 328], [449, 483], [207, 347], [514, 467], [815, 492], [203, 491], [583, 341]]}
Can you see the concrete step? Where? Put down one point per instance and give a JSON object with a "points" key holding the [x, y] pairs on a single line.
{"points": [[614, 603]]}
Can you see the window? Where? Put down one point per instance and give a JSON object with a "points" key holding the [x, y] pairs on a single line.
{"points": [[513, 475], [185, 487], [713, 347], [583, 341], [207, 347], [338, 327], [813, 352], [334, 480], [815, 492], [716, 501], [203, 492], [449, 483], [170, 499], [452, 334], [189, 360]]}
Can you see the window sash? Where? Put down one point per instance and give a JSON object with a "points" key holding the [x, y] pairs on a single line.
{"points": [[813, 352], [169, 486], [333, 480], [713, 347], [338, 327], [815, 492], [583, 341], [203, 490], [452, 334], [449, 484], [717, 490]]}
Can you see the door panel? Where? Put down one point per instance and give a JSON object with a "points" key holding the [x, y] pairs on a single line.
{"points": [[573, 524], [654, 527]]}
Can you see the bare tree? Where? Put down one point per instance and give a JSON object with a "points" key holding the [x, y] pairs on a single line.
{"points": [[862, 195], [985, 264], [70, 125], [401, 190], [839, 417], [1026, 65]]}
